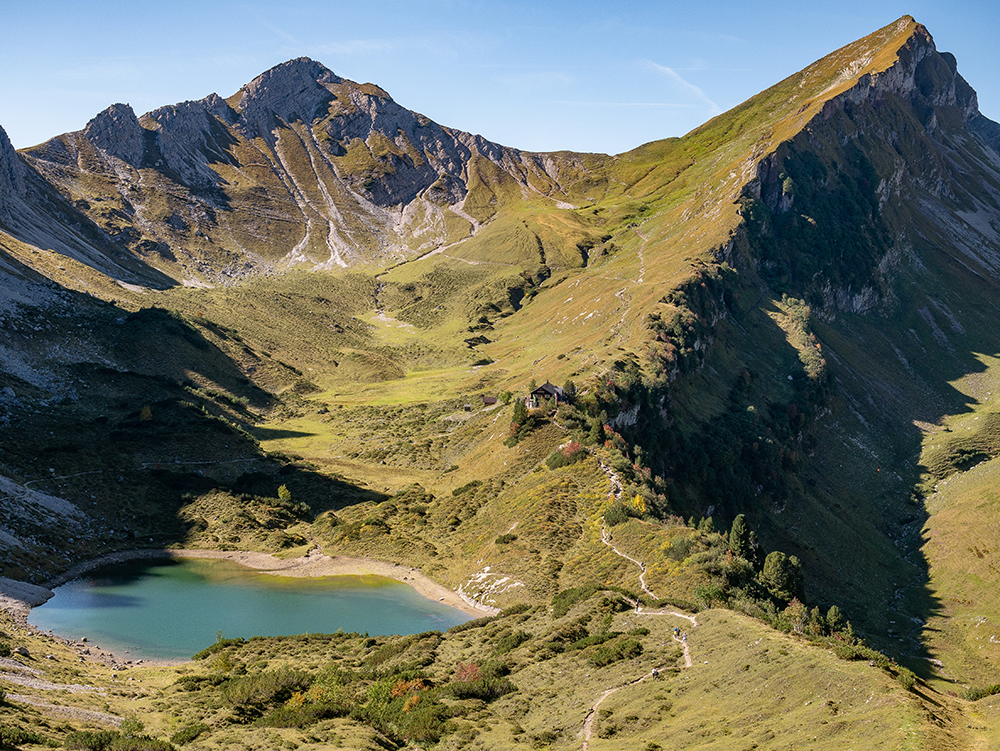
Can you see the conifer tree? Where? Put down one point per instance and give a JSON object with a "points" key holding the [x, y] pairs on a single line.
{"points": [[739, 538]]}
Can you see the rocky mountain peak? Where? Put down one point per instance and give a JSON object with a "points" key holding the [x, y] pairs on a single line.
{"points": [[117, 132], [291, 91]]}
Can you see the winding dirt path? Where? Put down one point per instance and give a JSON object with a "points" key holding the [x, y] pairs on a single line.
{"points": [[606, 539], [588, 724], [687, 651]]}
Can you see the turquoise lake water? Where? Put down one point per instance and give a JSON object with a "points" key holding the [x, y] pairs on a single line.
{"points": [[170, 609]]}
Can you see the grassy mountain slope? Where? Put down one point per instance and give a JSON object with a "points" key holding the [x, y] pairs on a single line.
{"points": [[786, 314]]}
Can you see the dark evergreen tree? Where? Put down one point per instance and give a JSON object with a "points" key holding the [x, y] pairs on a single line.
{"points": [[739, 538], [782, 575], [834, 620]]}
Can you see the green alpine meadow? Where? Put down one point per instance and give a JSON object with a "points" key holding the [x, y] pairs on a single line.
{"points": [[702, 437]]}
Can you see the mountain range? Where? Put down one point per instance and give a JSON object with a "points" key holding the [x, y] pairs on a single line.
{"points": [[269, 322]]}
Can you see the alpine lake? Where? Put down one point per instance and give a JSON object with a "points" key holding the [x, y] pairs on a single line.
{"points": [[169, 609]]}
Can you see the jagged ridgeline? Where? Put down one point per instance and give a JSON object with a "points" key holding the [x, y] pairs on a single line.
{"points": [[304, 316]]}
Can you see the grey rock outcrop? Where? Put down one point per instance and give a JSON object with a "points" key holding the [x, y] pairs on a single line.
{"points": [[11, 168], [292, 91], [191, 135], [117, 132]]}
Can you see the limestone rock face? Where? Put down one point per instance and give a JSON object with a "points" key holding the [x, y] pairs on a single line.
{"points": [[190, 136], [117, 132], [11, 167], [292, 91], [11, 174]]}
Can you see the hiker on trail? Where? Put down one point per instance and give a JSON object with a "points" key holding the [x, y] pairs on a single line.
{"points": [[656, 674], [684, 638]]}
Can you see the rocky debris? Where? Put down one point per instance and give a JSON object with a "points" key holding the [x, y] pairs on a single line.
{"points": [[117, 132], [8, 664], [74, 712], [37, 683], [19, 596]]}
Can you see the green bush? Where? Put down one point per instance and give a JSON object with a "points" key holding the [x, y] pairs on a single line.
{"points": [[91, 740], [566, 599], [592, 639], [618, 513], [474, 623], [975, 694], [485, 689], [11, 737], [198, 682], [249, 695], [220, 644], [510, 642], [112, 740], [5, 650], [506, 539], [300, 717], [907, 679], [189, 733], [571, 453], [625, 649], [141, 743], [131, 726], [467, 487]]}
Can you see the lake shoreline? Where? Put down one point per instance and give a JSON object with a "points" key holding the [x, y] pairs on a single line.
{"points": [[17, 598]]}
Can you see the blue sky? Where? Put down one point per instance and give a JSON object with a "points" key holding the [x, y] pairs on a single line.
{"points": [[543, 76]]}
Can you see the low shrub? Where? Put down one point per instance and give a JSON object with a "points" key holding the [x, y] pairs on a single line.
{"points": [[189, 733], [474, 623], [485, 689], [975, 694], [618, 513], [220, 644], [625, 649], [11, 737], [592, 639], [112, 740], [198, 682], [907, 679], [303, 716], [249, 695], [510, 642], [571, 453], [467, 487]]}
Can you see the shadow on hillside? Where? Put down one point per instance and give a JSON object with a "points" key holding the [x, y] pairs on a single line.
{"points": [[133, 441], [862, 528], [840, 493], [271, 434]]}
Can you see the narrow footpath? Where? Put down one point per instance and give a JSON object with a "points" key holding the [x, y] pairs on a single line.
{"points": [[588, 723], [606, 539]]}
